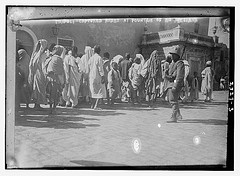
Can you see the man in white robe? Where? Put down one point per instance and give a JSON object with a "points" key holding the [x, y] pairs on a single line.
{"points": [[71, 89], [83, 69], [96, 78]]}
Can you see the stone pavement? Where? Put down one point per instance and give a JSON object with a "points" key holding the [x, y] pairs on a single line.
{"points": [[84, 137]]}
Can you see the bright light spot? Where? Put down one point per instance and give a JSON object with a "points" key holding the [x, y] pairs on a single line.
{"points": [[196, 140], [195, 41], [159, 125], [136, 145]]}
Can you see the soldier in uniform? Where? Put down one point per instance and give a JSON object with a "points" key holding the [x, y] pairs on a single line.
{"points": [[176, 82]]}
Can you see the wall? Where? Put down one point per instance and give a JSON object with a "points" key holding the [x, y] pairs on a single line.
{"points": [[187, 26], [24, 41], [194, 54], [224, 37], [116, 38]]}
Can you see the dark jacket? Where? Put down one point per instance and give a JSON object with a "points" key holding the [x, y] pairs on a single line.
{"points": [[176, 75], [124, 68]]}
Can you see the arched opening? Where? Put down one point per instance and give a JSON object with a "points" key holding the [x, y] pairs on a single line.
{"points": [[26, 39]]}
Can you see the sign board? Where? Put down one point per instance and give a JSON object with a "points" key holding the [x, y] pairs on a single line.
{"points": [[67, 43], [169, 35]]}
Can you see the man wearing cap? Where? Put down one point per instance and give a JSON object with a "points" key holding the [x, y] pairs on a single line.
{"points": [[176, 82]]}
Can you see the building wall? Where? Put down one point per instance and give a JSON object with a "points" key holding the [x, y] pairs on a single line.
{"points": [[221, 62], [165, 24], [224, 37], [196, 55], [116, 38], [24, 41]]}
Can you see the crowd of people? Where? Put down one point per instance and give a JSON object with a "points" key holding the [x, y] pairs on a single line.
{"points": [[61, 77]]}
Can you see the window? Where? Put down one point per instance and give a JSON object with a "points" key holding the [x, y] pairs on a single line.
{"points": [[67, 43]]}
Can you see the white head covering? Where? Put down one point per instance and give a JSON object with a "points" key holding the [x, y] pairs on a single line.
{"points": [[39, 49], [88, 52], [117, 59], [208, 63], [69, 52], [186, 63], [57, 65], [59, 50], [83, 61], [37, 58], [141, 58]]}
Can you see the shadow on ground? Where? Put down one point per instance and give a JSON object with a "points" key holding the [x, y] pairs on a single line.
{"points": [[65, 118], [201, 105], [95, 163], [205, 121], [52, 122], [42, 119], [159, 104], [71, 112]]}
